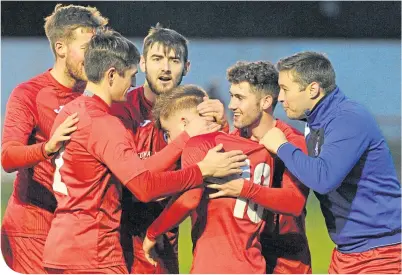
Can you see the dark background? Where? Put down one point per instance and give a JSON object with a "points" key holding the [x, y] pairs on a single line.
{"points": [[205, 19]]}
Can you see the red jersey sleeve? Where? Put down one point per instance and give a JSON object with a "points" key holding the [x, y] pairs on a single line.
{"points": [[19, 123], [167, 157], [293, 192], [180, 206], [273, 198], [115, 148]]}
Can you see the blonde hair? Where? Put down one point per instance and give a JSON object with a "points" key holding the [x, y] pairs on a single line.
{"points": [[65, 19], [180, 98]]}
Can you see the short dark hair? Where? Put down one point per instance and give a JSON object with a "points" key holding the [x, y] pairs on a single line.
{"points": [[107, 49], [180, 98], [307, 67], [261, 75], [65, 19], [170, 39]]}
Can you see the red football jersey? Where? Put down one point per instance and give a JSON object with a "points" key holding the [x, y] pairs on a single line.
{"points": [[31, 111], [225, 230], [136, 115], [84, 232], [284, 243]]}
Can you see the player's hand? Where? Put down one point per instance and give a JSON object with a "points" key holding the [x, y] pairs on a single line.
{"points": [[230, 189], [149, 251], [212, 108], [62, 134], [221, 164], [273, 139], [202, 125]]}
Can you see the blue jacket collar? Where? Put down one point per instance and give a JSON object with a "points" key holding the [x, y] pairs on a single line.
{"points": [[318, 116]]}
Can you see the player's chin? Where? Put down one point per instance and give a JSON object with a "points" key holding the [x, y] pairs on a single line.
{"points": [[166, 87], [293, 115], [163, 91], [80, 73], [124, 97], [238, 124], [80, 77]]}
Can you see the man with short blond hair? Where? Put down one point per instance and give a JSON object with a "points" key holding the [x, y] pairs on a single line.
{"points": [[27, 145]]}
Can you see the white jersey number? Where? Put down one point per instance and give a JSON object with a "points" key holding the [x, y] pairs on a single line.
{"points": [[254, 211], [58, 185]]}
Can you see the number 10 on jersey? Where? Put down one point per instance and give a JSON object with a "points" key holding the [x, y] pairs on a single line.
{"points": [[254, 211]]}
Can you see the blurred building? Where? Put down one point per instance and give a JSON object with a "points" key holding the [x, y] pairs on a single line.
{"points": [[362, 39]]}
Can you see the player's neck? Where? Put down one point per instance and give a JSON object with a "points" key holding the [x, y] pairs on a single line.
{"points": [[149, 94], [99, 91], [266, 123], [59, 73]]}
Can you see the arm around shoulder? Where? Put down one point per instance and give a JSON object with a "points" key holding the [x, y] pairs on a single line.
{"points": [[346, 138]]}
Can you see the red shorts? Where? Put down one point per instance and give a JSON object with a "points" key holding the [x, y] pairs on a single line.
{"points": [[121, 269], [167, 261], [288, 266], [23, 254], [382, 260], [286, 254]]}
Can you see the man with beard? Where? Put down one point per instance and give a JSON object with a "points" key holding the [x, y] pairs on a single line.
{"points": [[27, 145], [84, 235], [225, 231], [254, 91], [164, 62]]}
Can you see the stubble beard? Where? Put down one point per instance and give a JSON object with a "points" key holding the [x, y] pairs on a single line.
{"points": [[155, 90], [74, 72]]}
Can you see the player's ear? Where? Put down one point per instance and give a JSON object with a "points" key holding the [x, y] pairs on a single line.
{"points": [[111, 75], [60, 48], [266, 102], [313, 90], [142, 64], [186, 67]]}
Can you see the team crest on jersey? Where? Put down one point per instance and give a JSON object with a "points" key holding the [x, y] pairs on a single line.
{"points": [[59, 109]]}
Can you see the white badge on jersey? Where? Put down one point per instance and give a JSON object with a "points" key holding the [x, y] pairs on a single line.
{"points": [[59, 109]]}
